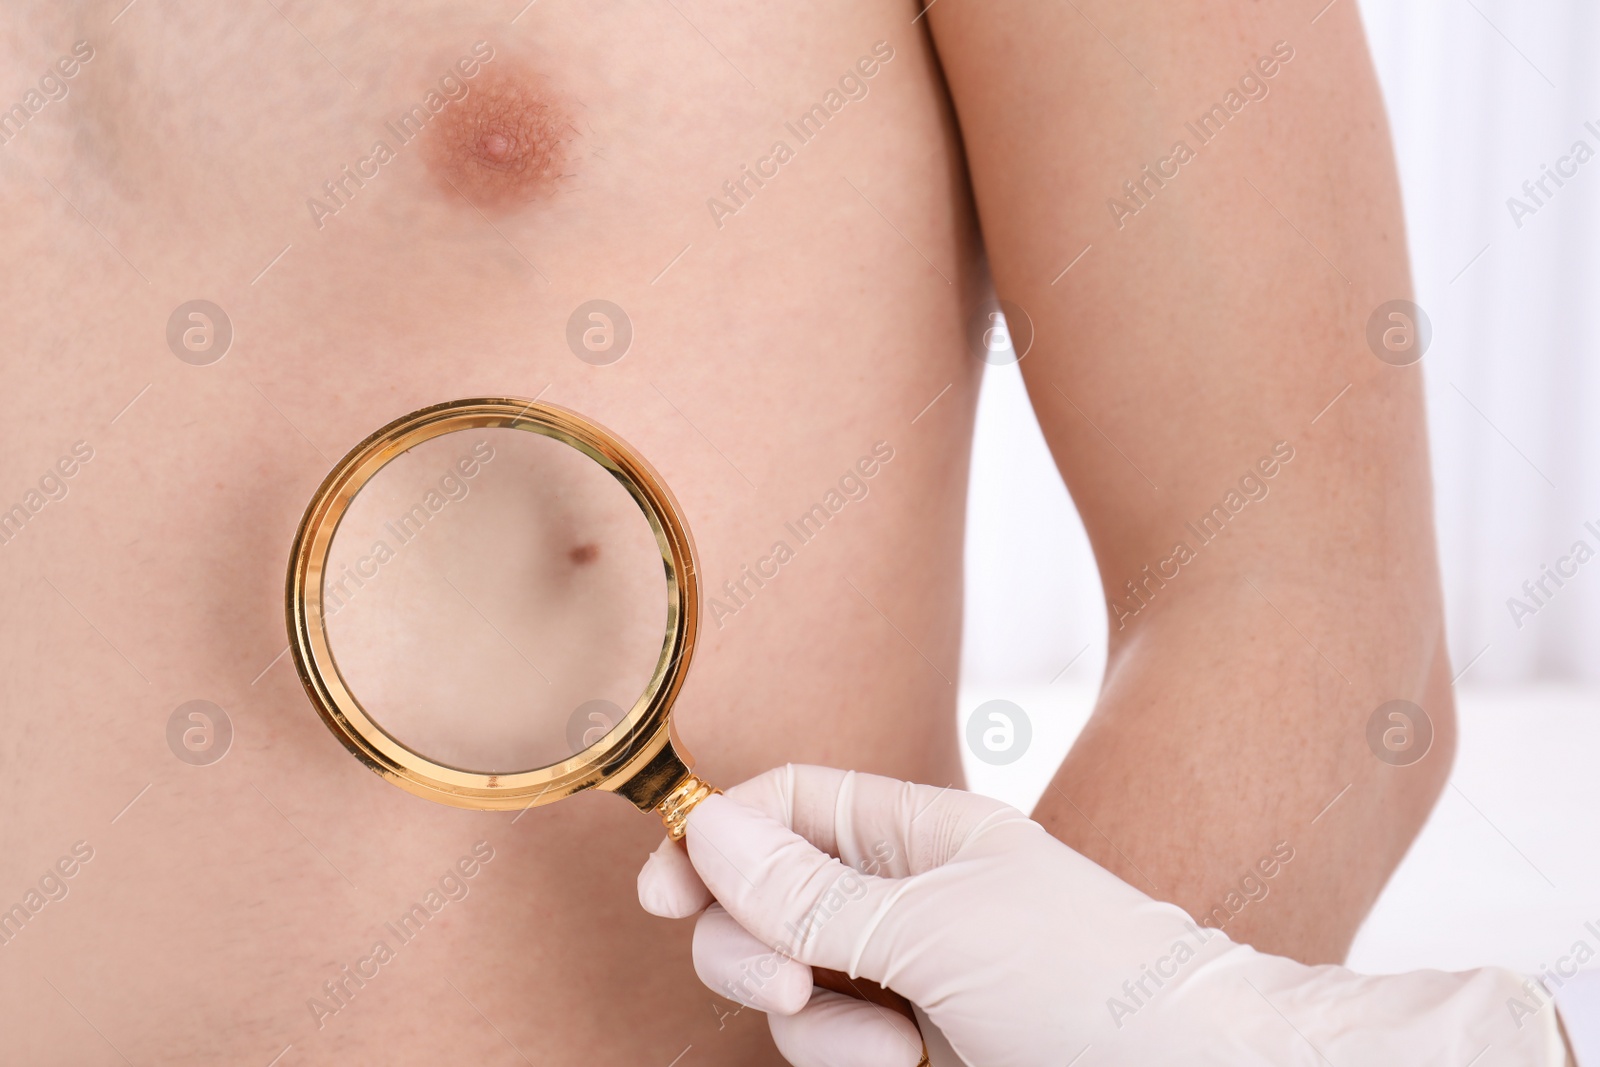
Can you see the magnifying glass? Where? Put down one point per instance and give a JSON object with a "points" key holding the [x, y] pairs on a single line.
{"points": [[492, 603]]}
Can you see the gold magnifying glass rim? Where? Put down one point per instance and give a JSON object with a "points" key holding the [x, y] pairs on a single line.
{"points": [[639, 758]]}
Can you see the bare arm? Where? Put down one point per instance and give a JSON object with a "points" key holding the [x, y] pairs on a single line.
{"points": [[1268, 560]]}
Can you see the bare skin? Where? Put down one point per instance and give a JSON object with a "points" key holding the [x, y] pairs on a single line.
{"points": [[773, 348], [1197, 339]]}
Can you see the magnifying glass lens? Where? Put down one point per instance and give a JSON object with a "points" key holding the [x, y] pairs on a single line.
{"points": [[495, 600]]}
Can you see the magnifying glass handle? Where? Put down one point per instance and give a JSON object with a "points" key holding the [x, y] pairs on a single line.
{"points": [[674, 811]]}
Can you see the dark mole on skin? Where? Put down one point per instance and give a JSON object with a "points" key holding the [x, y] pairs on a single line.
{"points": [[584, 553], [503, 145]]}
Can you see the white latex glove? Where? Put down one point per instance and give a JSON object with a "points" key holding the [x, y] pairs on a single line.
{"points": [[1022, 952]]}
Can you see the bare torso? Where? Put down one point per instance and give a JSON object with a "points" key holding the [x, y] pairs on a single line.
{"points": [[775, 344]]}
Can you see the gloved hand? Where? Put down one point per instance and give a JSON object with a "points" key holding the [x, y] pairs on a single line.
{"points": [[1022, 952]]}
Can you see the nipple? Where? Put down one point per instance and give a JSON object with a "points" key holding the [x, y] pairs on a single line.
{"points": [[504, 144], [495, 146]]}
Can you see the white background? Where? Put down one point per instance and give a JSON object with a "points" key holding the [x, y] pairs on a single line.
{"points": [[1481, 94]]}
